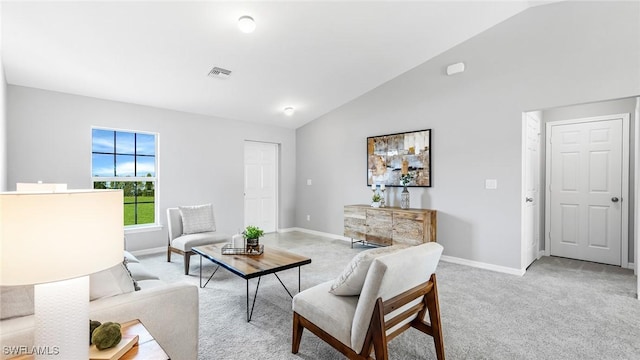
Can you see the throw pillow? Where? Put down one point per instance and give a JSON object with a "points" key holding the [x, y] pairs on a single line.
{"points": [[351, 280], [16, 301], [197, 219], [110, 282]]}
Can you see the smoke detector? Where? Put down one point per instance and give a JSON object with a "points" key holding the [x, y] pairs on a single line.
{"points": [[217, 72]]}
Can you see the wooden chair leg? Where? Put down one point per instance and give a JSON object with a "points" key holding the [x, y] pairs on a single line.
{"points": [[434, 317], [187, 257], [168, 254], [297, 333]]}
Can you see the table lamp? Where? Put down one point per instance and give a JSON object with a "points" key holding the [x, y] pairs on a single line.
{"points": [[54, 240]]}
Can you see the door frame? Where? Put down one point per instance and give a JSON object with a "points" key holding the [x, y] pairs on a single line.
{"points": [[624, 256], [276, 189]]}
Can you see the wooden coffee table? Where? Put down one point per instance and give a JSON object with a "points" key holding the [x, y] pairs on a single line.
{"points": [[271, 261]]}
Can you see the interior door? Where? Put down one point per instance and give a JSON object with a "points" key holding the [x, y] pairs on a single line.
{"points": [[531, 208], [586, 190], [261, 185]]}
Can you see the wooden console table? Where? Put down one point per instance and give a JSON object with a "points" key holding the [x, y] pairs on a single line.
{"points": [[389, 225]]}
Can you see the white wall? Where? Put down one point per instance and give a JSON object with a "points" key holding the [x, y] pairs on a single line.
{"points": [[3, 118], [548, 56], [201, 157]]}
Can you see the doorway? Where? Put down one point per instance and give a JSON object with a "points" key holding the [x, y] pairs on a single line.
{"points": [[261, 185], [587, 182]]}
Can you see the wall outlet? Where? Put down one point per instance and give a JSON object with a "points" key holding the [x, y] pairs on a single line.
{"points": [[309, 182], [308, 217]]}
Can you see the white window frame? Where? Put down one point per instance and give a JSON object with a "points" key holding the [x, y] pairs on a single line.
{"points": [[136, 227]]}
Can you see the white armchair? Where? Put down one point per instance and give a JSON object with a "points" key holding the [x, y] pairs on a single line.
{"points": [[197, 227], [399, 289]]}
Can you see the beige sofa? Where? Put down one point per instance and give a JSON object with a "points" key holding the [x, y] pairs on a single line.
{"points": [[169, 311]]}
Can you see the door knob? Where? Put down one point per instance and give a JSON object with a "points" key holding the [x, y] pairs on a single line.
{"points": [[529, 199], [614, 199]]}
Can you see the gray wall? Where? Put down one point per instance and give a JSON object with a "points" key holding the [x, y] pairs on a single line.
{"points": [[621, 106], [201, 157], [548, 56]]}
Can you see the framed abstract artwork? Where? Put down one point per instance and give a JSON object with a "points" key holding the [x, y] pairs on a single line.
{"points": [[391, 156]]}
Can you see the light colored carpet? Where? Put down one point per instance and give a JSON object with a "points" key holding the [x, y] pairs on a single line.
{"points": [[561, 309]]}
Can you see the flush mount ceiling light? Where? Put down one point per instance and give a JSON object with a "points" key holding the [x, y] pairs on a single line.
{"points": [[288, 111], [246, 24]]}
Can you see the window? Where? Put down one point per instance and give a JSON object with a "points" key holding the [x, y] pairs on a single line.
{"points": [[127, 160]]}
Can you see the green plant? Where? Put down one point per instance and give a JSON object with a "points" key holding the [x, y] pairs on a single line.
{"points": [[376, 197], [405, 179], [252, 232]]}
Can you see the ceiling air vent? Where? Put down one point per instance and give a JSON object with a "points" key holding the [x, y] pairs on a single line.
{"points": [[217, 72]]}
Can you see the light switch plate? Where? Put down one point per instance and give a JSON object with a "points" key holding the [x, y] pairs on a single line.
{"points": [[308, 181]]}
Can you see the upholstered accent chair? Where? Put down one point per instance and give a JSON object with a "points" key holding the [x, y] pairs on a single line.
{"points": [[191, 226], [398, 292]]}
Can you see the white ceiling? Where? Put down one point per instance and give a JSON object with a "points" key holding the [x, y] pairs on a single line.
{"points": [[313, 55]]}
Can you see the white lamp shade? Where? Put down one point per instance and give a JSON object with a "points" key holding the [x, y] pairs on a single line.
{"points": [[46, 237]]}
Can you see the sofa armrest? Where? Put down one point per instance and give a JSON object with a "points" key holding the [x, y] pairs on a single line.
{"points": [[170, 313]]}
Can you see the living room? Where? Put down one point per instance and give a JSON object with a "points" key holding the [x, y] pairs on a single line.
{"points": [[562, 57]]}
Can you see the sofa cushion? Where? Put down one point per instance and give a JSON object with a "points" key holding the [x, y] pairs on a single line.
{"points": [[150, 283], [350, 281], [331, 313], [186, 242], [139, 272], [110, 282], [16, 301], [130, 258], [197, 219]]}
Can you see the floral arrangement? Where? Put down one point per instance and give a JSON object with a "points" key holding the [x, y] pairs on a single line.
{"points": [[405, 179], [376, 197]]}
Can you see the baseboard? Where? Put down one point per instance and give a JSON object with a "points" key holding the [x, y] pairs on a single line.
{"points": [[151, 251], [481, 265], [318, 233], [451, 259]]}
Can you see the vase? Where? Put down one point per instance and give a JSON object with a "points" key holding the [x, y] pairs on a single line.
{"points": [[375, 204], [253, 245], [404, 198]]}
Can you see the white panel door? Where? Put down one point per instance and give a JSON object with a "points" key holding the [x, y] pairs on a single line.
{"points": [[586, 191], [261, 185], [531, 211]]}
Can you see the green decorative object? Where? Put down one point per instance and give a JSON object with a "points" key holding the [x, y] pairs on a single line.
{"points": [[93, 324], [106, 335], [252, 232], [252, 235]]}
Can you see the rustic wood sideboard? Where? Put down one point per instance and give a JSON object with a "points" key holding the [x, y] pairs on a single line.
{"points": [[389, 225]]}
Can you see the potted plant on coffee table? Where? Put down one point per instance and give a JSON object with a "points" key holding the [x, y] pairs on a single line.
{"points": [[252, 236]]}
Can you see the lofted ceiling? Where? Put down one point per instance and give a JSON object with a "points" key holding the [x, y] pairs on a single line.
{"points": [[312, 55]]}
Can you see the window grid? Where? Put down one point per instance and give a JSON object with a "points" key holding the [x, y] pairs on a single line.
{"points": [[139, 183]]}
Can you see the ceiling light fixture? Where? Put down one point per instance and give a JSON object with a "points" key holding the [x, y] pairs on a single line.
{"points": [[246, 24], [288, 111]]}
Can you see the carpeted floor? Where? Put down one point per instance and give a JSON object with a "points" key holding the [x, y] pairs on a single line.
{"points": [[560, 309]]}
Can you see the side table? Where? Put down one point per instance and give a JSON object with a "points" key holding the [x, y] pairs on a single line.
{"points": [[147, 348]]}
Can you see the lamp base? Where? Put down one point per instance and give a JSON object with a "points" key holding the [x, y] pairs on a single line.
{"points": [[62, 319]]}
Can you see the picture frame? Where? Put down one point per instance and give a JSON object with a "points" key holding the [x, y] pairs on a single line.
{"points": [[390, 156]]}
